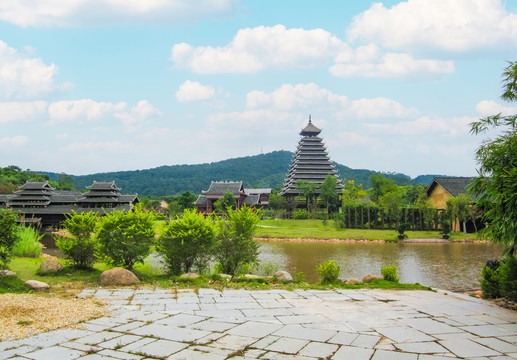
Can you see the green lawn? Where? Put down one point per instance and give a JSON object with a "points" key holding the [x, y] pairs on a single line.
{"points": [[315, 229]]}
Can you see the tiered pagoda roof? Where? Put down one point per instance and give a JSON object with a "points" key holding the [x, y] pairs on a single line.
{"points": [[311, 162]]}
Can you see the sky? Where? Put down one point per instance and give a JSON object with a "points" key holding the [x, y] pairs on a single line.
{"points": [[90, 86]]}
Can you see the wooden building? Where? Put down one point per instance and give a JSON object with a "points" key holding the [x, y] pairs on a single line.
{"points": [[445, 188], [249, 197], [311, 162], [39, 202]]}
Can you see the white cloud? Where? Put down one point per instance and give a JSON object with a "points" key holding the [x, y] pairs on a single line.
{"points": [[111, 147], [254, 49], [71, 110], [451, 25], [490, 107], [87, 109], [425, 125], [73, 13], [265, 121], [23, 77], [21, 111], [141, 112], [388, 65], [14, 141], [194, 91], [311, 96], [289, 97]]}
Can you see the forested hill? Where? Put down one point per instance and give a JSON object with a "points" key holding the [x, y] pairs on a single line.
{"points": [[265, 170]]}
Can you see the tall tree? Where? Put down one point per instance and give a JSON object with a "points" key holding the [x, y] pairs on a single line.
{"points": [[380, 186], [328, 192], [308, 191], [496, 184]]}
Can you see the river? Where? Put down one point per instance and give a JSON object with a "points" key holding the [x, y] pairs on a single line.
{"points": [[451, 266]]}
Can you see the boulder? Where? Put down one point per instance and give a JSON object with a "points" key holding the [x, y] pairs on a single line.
{"points": [[36, 285], [370, 277], [7, 273], [50, 265], [283, 276], [119, 277], [353, 281], [189, 276], [226, 276]]}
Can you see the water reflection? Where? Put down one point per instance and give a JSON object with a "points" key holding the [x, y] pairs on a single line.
{"points": [[452, 266]]}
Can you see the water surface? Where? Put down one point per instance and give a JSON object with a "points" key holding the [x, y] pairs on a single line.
{"points": [[451, 266]]}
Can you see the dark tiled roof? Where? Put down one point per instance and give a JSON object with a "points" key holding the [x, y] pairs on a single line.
{"points": [[310, 129], [257, 191], [201, 200], [33, 185], [251, 200], [103, 185], [220, 187], [454, 185]]}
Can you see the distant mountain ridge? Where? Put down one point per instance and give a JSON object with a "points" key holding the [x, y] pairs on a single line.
{"points": [[264, 170]]}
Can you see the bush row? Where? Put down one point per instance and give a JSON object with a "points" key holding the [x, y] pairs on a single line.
{"points": [[188, 242]]}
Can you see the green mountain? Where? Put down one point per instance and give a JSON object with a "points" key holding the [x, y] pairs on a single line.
{"points": [[265, 170]]}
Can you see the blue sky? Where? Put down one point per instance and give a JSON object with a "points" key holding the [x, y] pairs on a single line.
{"points": [[105, 85]]}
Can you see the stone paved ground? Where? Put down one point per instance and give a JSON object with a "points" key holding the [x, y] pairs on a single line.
{"points": [[278, 324]]}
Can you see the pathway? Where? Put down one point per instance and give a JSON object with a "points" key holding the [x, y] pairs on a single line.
{"points": [[279, 324]]}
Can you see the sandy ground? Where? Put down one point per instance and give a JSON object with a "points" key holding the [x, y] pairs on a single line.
{"points": [[22, 315]]}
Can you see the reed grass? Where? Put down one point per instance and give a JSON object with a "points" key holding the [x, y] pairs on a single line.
{"points": [[28, 244]]}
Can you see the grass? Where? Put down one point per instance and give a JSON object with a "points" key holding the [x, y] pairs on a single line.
{"points": [[71, 281], [315, 229], [29, 243]]}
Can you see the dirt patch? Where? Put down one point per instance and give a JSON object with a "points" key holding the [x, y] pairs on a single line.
{"points": [[22, 315]]}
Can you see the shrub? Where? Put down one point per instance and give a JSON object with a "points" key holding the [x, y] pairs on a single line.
{"points": [[126, 238], [301, 214], [28, 244], [446, 228], [508, 278], [79, 247], [187, 242], [389, 273], [329, 271], [402, 228], [299, 277], [490, 280], [8, 235], [235, 244]]}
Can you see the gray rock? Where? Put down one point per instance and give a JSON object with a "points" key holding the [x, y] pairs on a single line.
{"points": [[251, 276], [189, 276], [36, 285], [353, 281], [283, 276], [226, 276], [50, 265], [118, 276], [370, 277], [7, 273]]}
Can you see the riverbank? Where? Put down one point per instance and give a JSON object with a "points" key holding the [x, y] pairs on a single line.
{"points": [[312, 230]]}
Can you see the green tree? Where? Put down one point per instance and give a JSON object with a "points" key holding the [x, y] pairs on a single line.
{"points": [[235, 245], [225, 203], [187, 242], [65, 182], [352, 195], [186, 200], [459, 207], [308, 190], [125, 238], [380, 186], [277, 202], [328, 192], [8, 235], [496, 184], [79, 248]]}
